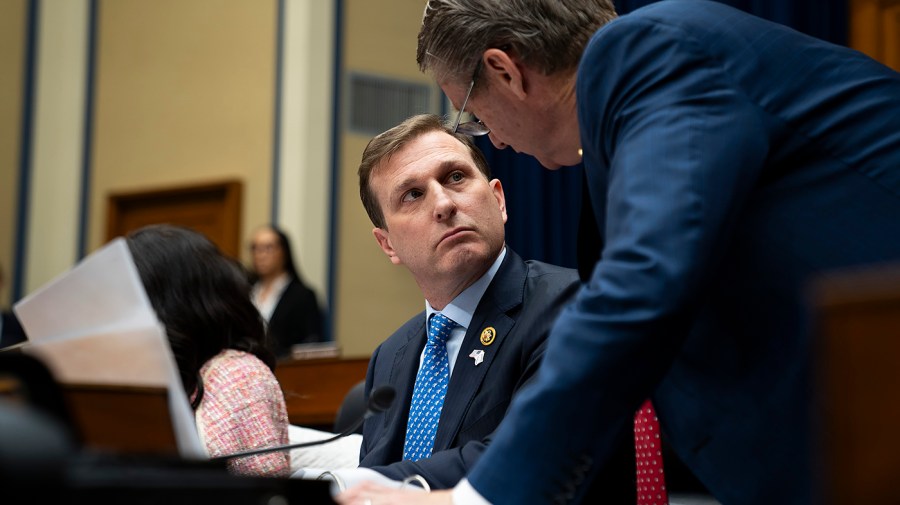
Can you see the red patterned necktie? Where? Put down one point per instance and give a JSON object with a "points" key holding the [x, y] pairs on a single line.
{"points": [[651, 483]]}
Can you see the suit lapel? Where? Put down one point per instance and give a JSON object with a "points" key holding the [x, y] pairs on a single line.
{"points": [[504, 293], [403, 376]]}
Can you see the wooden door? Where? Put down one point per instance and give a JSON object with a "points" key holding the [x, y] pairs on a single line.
{"points": [[213, 209]]}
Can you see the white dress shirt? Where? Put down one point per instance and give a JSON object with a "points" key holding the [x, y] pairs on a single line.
{"points": [[461, 310], [267, 307]]}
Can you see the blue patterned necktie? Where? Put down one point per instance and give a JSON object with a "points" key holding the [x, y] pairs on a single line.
{"points": [[429, 390]]}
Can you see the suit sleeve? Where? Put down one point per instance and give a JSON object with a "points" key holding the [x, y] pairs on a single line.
{"points": [[683, 147], [369, 426]]}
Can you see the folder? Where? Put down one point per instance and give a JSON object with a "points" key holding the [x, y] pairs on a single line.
{"points": [[96, 331]]}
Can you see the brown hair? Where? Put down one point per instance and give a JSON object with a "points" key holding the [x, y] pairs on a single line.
{"points": [[383, 146], [548, 35]]}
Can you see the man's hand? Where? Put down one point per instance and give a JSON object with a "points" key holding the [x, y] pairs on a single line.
{"points": [[369, 493]]}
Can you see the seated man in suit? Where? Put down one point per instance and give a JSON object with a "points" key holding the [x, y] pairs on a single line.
{"points": [[437, 212]]}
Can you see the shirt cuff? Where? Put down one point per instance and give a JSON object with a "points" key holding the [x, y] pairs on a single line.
{"points": [[465, 494], [346, 478]]}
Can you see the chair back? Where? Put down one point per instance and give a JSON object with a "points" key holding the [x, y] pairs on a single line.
{"points": [[353, 407]]}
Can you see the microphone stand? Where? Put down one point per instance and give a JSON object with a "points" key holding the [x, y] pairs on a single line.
{"points": [[300, 445]]}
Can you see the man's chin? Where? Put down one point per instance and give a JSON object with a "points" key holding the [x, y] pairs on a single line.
{"points": [[464, 258], [549, 164]]}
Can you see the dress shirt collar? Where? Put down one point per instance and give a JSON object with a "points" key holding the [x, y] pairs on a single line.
{"points": [[462, 308]]}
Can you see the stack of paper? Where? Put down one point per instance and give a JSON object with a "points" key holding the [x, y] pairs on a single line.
{"points": [[95, 325]]}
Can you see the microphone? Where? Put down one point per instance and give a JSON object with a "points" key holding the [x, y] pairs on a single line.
{"points": [[380, 400]]}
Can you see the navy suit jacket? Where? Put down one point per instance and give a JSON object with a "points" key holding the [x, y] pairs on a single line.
{"points": [[521, 303], [729, 160]]}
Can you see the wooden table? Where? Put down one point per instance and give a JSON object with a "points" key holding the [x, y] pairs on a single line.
{"points": [[314, 388]]}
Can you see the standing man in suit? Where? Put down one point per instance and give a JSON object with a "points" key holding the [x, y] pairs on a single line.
{"points": [[729, 160], [437, 212]]}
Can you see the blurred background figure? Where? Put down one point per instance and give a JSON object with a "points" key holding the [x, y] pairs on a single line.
{"points": [[11, 331], [219, 344], [286, 303]]}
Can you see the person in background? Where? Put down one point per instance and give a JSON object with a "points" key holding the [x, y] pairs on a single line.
{"points": [[11, 331], [729, 162], [289, 307], [217, 337]]}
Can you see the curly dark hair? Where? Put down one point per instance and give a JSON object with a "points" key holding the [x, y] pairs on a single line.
{"points": [[201, 296]]}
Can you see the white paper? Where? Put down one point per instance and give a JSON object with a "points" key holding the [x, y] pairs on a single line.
{"points": [[135, 357], [94, 324]]}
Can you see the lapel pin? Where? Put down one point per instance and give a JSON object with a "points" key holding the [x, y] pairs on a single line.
{"points": [[487, 335], [478, 356]]}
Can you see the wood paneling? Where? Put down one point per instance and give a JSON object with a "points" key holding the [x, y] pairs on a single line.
{"points": [[875, 29], [211, 209], [315, 388], [858, 352]]}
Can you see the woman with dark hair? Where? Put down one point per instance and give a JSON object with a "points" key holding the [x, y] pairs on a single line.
{"points": [[219, 343], [289, 307]]}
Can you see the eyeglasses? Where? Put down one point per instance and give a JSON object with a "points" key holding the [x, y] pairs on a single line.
{"points": [[263, 248], [472, 128]]}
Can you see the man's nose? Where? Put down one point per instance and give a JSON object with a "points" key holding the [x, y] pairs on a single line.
{"points": [[444, 206], [497, 143]]}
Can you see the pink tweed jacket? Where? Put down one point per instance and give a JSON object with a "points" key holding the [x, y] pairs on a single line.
{"points": [[243, 408]]}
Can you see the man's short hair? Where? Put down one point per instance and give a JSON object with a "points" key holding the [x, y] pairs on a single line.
{"points": [[548, 35], [382, 147]]}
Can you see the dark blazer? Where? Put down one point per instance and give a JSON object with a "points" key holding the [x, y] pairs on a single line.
{"points": [[12, 332], [297, 319], [729, 160], [521, 303]]}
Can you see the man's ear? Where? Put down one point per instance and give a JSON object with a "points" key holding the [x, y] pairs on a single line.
{"points": [[384, 241], [497, 188], [503, 69]]}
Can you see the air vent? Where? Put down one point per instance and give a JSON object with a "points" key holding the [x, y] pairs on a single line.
{"points": [[378, 103]]}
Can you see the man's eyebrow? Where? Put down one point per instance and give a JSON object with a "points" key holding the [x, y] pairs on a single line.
{"points": [[404, 185], [443, 166], [448, 165]]}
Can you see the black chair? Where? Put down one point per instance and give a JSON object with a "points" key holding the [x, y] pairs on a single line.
{"points": [[36, 439], [353, 407], [29, 381]]}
